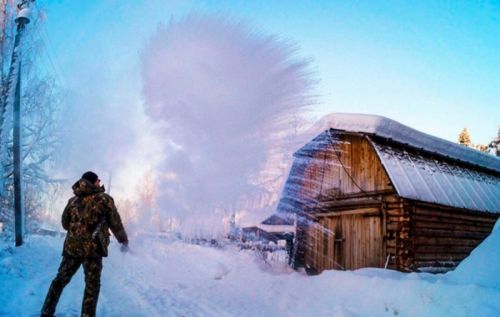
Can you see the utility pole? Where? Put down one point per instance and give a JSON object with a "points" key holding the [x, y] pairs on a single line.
{"points": [[21, 21], [11, 100]]}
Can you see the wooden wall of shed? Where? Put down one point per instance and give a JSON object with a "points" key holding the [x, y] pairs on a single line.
{"points": [[328, 177], [442, 237], [365, 235]]}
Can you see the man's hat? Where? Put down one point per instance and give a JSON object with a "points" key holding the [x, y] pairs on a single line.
{"points": [[90, 176]]}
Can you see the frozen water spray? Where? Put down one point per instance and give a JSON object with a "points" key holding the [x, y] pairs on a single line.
{"points": [[224, 97]]}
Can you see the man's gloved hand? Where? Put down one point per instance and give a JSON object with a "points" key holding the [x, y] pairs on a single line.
{"points": [[124, 247]]}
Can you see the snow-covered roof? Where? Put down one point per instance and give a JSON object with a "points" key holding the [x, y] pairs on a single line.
{"points": [[422, 177], [278, 220], [420, 166], [390, 129]]}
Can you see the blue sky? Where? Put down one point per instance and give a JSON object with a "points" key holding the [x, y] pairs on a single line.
{"points": [[434, 66]]}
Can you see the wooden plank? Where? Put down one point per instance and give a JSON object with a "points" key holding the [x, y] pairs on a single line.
{"points": [[365, 194], [477, 217], [339, 246], [440, 257], [394, 212], [422, 206], [326, 246], [336, 168], [374, 248], [365, 168], [421, 263], [331, 253], [450, 220], [419, 241], [445, 226], [345, 161], [427, 232], [312, 247], [355, 166], [440, 249], [393, 199], [316, 248], [331, 239], [370, 211], [347, 243], [383, 225], [396, 219], [353, 203], [328, 173]]}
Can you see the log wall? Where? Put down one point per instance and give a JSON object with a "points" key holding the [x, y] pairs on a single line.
{"points": [[442, 237]]}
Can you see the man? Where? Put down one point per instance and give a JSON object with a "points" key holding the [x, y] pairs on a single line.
{"points": [[87, 218]]}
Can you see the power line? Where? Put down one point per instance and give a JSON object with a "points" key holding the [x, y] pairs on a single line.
{"points": [[47, 45]]}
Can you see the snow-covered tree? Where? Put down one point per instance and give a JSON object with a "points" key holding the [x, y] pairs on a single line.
{"points": [[464, 137], [494, 146], [40, 100]]}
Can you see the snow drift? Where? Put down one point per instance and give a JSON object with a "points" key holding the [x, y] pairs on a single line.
{"points": [[482, 266], [165, 277]]}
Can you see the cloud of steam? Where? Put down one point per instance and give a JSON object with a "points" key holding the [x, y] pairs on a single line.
{"points": [[104, 129], [222, 94]]}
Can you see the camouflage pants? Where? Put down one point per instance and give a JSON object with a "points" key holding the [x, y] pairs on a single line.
{"points": [[92, 268]]}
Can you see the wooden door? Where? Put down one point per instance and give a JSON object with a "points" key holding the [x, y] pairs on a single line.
{"points": [[348, 241], [362, 241]]}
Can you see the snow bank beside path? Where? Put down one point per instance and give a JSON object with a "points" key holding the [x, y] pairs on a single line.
{"points": [[171, 278]]}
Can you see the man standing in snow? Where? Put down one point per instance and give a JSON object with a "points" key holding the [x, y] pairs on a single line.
{"points": [[87, 218]]}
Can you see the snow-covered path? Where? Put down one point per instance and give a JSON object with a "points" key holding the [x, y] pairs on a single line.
{"points": [[161, 277]]}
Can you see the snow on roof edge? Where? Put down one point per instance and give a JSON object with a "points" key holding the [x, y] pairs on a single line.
{"points": [[391, 129]]}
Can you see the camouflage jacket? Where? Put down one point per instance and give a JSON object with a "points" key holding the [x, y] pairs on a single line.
{"points": [[88, 216]]}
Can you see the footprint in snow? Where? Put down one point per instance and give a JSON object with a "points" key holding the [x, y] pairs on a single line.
{"points": [[221, 271]]}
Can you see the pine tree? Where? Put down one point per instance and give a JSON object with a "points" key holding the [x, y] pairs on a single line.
{"points": [[494, 146], [464, 138]]}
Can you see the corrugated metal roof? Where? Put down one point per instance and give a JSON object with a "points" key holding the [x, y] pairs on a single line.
{"points": [[422, 177]]}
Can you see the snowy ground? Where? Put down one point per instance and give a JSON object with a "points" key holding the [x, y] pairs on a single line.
{"points": [[161, 277]]}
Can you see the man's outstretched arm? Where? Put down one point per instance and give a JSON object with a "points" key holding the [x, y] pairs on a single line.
{"points": [[114, 222]]}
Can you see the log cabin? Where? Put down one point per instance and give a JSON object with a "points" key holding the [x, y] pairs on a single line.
{"points": [[371, 192]]}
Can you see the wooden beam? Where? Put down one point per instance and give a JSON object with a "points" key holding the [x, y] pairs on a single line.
{"points": [[452, 227], [442, 241], [450, 214], [333, 197], [440, 233], [348, 204], [374, 211], [455, 210]]}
